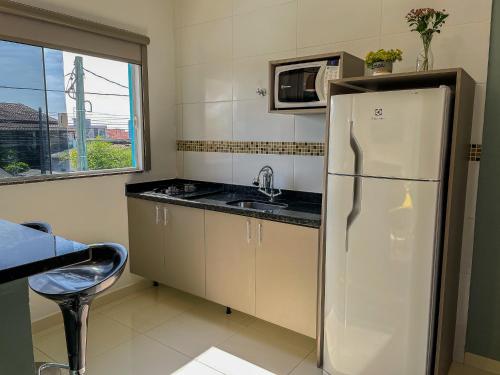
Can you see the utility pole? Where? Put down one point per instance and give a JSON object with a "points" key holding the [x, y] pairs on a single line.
{"points": [[43, 151], [81, 126], [131, 122]]}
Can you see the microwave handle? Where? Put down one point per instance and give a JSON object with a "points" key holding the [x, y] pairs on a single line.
{"points": [[320, 83]]}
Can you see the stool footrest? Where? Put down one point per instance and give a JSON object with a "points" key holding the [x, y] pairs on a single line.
{"points": [[47, 365]]}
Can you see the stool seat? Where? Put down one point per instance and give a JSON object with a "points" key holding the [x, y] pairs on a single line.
{"points": [[73, 288], [84, 279]]}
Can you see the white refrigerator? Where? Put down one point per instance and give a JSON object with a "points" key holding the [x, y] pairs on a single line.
{"points": [[386, 162]]}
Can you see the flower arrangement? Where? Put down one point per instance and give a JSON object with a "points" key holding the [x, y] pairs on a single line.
{"points": [[383, 55], [427, 22]]}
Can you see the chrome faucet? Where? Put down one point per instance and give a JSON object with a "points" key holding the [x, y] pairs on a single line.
{"points": [[266, 184]]}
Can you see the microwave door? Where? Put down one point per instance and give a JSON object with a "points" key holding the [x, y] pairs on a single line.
{"points": [[289, 86], [297, 87]]}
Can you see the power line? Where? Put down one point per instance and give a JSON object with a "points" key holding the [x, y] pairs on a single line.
{"points": [[106, 79], [62, 91]]}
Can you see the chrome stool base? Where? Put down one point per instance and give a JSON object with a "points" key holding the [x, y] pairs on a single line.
{"points": [[48, 365]]}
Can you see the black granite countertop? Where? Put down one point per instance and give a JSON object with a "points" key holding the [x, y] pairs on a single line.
{"points": [[25, 252], [302, 208]]}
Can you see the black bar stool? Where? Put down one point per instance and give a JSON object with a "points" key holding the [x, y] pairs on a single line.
{"points": [[39, 225], [73, 288]]}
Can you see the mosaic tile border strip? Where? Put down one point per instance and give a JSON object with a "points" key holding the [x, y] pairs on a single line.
{"points": [[254, 147], [475, 152], [277, 148]]}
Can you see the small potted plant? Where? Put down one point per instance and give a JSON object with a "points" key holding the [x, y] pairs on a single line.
{"points": [[381, 61], [427, 22]]}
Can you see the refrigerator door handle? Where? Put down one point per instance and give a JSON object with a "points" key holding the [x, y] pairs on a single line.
{"points": [[356, 197]]}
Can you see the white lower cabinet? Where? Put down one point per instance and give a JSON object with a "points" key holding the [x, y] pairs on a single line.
{"points": [[263, 268], [146, 239], [167, 244], [230, 254], [185, 249], [286, 276], [260, 267]]}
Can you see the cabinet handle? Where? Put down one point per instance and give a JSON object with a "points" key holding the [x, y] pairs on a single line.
{"points": [[259, 231], [165, 213], [249, 235], [157, 215]]}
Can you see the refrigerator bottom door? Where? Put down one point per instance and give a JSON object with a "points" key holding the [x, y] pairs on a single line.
{"points": [[379, 276]]}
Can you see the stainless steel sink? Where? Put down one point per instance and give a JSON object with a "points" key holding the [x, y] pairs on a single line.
{"points": [[257, 205]]}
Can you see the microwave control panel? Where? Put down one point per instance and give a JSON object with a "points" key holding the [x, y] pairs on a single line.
{"points": [[332, 72]]}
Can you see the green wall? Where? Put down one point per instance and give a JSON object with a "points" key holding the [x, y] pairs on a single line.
{"points": [[483, 328]]}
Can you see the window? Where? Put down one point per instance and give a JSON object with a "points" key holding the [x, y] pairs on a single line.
{"points": [[63, 112]]}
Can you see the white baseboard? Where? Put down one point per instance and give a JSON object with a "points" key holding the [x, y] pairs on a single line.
{"points": [[56, 318], [482, 363]]}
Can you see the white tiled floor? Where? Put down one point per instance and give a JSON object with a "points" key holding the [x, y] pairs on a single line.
{"points": [[164, 331]]}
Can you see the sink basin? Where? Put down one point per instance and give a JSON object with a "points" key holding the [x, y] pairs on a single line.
{"points": [[257, 205]]}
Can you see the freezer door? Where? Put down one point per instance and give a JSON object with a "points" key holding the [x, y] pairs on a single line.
{"points": [[400, 134], [379, 280]]}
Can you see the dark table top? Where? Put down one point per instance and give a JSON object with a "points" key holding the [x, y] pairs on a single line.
{"points": [[302, 209], [25, 251]]}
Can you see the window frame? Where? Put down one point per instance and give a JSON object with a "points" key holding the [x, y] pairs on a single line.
{"points": [[91, 31]]}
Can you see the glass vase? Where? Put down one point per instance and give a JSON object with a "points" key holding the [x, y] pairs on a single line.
{"points": [[425, 59]]}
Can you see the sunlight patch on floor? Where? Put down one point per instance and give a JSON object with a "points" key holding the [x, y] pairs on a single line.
{"points": [[217, 361]]}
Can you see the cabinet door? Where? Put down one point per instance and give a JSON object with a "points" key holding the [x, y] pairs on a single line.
{"points": [[230, 260], [184, 249], [146, 239], [286, 275]]}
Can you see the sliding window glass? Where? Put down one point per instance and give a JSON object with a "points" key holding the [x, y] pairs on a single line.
{"points": [[63, 112]]}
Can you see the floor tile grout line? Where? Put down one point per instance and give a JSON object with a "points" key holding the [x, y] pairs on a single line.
{"points": [[300, 362], [149, 329], [189, 355], [207, 365], [45, 354], [168, 346]]}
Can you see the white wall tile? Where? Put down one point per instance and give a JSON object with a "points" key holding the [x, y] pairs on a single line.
{"points": [[178, 13], [208, 121], [252, 122], [207, 82], [463, 46], [359, 47], [308, 173], [251, 73], [208, 166], [478, 116], [178, 120], [190, 12], [330, 21], [310, 128], [180, 164], [394, 12], [246, 6], [178, 85], [267, 30], [247, 166], [204, 43], [466, 46]]}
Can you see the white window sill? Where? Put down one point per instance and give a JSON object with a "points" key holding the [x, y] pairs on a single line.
{"points": [[67, 176]]}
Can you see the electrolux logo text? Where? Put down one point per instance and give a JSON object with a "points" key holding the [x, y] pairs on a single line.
{"points": [[378, 114]]}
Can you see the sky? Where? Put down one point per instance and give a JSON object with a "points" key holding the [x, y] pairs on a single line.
{"points": [[22, 81]]}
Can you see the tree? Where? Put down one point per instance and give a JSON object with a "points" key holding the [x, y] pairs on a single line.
{"points": [[104, 155]]}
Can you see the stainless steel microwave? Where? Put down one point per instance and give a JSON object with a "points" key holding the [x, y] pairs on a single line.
{"points": [[304, 85]]}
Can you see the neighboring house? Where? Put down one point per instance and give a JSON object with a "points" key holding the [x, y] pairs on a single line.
{"points": [[118, 134], [23, 137]]}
